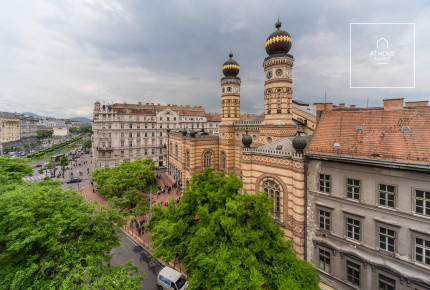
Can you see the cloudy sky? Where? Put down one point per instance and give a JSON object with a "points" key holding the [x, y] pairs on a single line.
{"points": [[59, 57]]}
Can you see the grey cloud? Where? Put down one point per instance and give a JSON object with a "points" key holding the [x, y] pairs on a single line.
{"points": [[65, 55]]}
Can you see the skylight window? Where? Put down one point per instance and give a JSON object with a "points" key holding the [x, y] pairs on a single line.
{"points": [[406, 128], [336, 145], [279, 147], [359, 128]]}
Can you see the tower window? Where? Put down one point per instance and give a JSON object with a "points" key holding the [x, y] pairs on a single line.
{"points": [[207, 159], [272, 189]]}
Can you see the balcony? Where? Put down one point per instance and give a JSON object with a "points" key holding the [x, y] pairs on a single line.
{"points": [[104, 148]]}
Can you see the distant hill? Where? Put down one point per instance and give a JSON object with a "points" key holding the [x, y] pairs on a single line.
{"points": [[77, 119], [81, 119]]}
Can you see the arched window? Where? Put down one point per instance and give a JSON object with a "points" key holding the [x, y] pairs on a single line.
{"points": [[170, 150], [228, 109], [269, 101], [279, 101], [269, 139], [223, 160], [207, 159], [176, 151], [188, 160], [272, 189]]}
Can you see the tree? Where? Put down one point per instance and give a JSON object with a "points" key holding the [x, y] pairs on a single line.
{"points": [[12, 171], [225, 239], [122, 185], [44, 133], [50, 238], [73, 130], [87, 143], [63, 163], [85, 128]]}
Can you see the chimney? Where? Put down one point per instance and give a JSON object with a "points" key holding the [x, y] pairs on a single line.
{"points": [[341, 106], [353, 106], [140, 103], [322, 107], [393, 104], [417, 104]]}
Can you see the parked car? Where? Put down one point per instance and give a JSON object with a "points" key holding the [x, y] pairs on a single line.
{"points": [[37, 165], [74, 180], [171, 279]]}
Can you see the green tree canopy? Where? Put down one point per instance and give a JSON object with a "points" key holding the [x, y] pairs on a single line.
{"points": [[12, 171], [122, 185], [50, 238], [73, 130], [44, 133], [85, 128], [87, 143], [226, 240]]}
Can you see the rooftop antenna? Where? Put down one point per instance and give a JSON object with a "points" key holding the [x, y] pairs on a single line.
{"points": [[368, 102], [325, 97]]}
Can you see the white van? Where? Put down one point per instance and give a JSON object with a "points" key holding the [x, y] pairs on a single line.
{"points": [[171, 279]]}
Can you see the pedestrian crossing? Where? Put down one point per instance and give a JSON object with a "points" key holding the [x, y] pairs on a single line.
{"points": [[34, 178]]}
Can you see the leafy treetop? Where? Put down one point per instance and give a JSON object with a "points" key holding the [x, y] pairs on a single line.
{"points": [[227, 240], [12, 171], [122, 185], [50, 238]]}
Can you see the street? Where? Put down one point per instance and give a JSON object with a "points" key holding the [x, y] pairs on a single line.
{"points": [[132, 251]]}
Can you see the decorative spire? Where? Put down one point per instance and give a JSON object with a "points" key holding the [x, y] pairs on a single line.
{"points": [[230, 54], [278, 24]]}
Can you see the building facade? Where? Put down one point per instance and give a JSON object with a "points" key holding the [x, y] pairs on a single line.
{"points": [[28, 127], [272, 164], [51, 123], [9, 130], [131, 131], [368, 197], [61, 131]]}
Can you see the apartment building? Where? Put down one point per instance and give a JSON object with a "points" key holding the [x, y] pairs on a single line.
{"points": [[9, 129], [368, 196], [131, 131], [28, 129]]}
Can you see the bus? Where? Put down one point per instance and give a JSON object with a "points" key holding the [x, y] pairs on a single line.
{"points": [[57, 157]]}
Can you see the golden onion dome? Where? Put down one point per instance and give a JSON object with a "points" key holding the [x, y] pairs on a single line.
{"points": [[230, 67], [279, 41]]}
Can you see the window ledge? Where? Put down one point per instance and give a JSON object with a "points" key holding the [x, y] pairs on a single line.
{"points": [[388, 222], [419, 231]]}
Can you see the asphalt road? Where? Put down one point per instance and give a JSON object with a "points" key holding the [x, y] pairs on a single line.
{"points": [[132, 251]]}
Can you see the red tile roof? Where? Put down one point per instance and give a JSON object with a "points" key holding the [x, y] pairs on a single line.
{"points": [[381, 137]]}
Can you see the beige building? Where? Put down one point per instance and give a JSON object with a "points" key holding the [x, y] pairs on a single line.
{"points": [[131, 131], [275, 163], [10, 129], [61, 131], [368, 198]]}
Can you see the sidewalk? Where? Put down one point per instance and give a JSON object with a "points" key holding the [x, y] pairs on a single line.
{"points": [[144, 239]]}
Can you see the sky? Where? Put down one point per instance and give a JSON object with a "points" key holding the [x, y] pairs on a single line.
{"points": [[59, 57]]}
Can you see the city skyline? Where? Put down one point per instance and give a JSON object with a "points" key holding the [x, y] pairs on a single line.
{"points": [[59, 58]]}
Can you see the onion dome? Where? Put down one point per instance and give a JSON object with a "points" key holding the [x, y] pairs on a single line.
{"points": [[279, 41], [299, 142], [192, 132], [246, 140], [230, 68]]}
